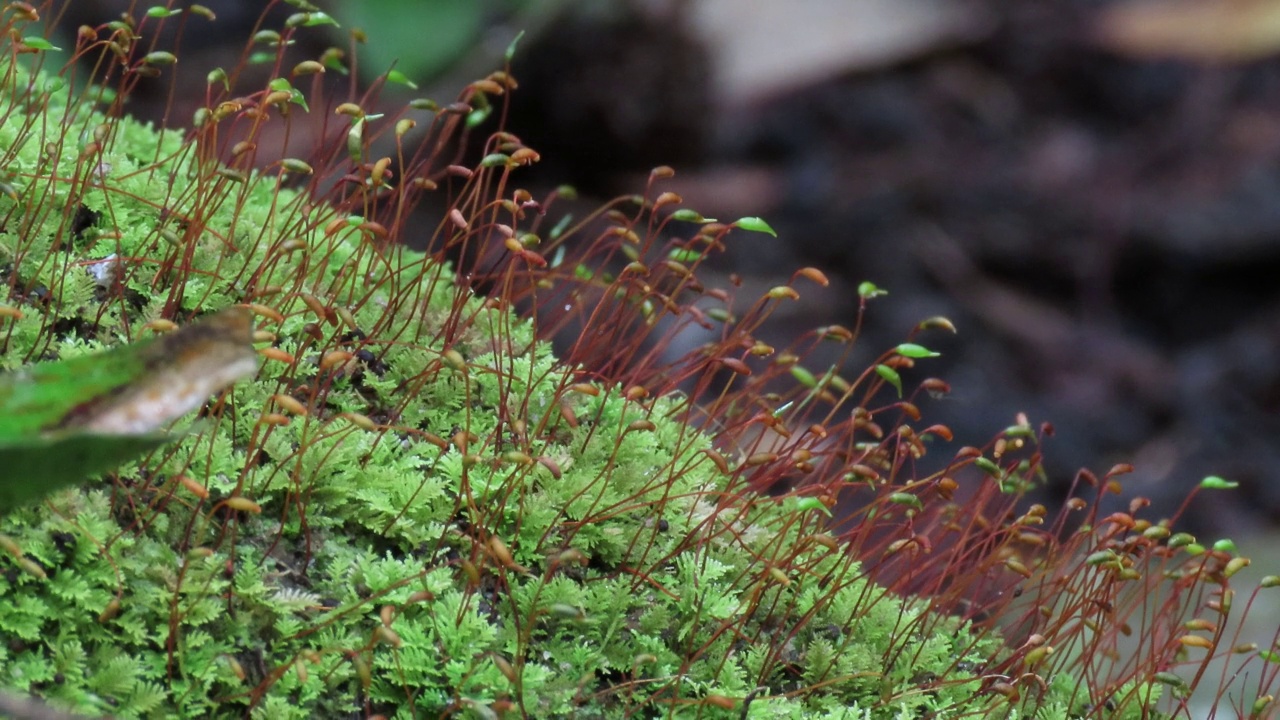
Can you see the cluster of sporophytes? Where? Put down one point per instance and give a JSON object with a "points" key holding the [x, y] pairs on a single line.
{"points": [[417, 509]]}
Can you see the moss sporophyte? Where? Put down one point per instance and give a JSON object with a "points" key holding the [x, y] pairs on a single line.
{"points": [[416, 508]]}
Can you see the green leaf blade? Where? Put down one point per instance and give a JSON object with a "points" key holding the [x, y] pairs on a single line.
{"points": [[61, 422]]}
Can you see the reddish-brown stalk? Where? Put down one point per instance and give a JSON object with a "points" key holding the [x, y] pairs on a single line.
{"points": [[619, 292]]}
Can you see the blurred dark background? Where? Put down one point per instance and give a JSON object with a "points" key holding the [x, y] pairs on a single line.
{"points": [[1090, 190]]}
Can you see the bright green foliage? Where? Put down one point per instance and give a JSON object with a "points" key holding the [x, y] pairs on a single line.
{"points": [[158, 603]]}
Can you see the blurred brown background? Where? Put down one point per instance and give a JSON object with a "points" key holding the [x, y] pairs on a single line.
{"points": [[1089, 189]]}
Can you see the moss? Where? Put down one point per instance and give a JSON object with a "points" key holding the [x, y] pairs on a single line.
{"points": [[431, 535]]}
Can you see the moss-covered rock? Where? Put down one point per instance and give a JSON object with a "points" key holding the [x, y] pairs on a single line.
{"points": [[414, 509]]}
